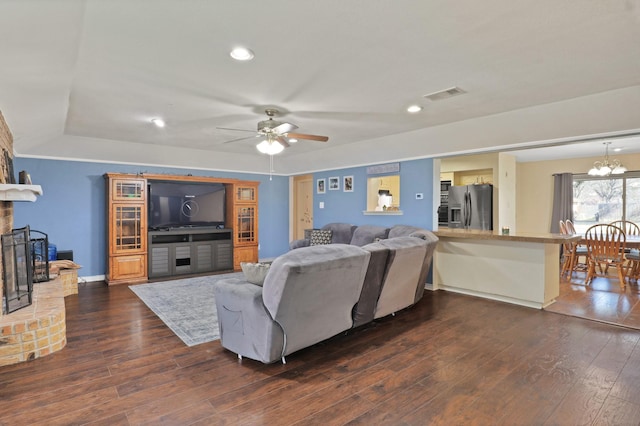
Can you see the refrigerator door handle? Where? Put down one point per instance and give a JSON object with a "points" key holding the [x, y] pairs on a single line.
{"points": [[469, 210], [466, 210]]}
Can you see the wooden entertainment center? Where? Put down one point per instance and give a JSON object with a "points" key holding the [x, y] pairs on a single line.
{"points": [[136, 254]]}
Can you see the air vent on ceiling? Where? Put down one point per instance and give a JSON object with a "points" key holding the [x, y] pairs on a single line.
{"points": [[444, 94]]}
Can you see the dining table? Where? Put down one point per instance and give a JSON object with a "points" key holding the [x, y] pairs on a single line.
{"points": [[633, 241]]}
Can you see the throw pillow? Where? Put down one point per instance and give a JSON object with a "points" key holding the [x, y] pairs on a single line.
{"points": [[319, 237], [255, 273]]}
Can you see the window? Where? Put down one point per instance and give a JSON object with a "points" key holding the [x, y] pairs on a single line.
{"points": [[605, 199]]}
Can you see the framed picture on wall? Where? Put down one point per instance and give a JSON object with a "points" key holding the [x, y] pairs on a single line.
{"points": [[321, 186], [334, 183], [347, 183]]}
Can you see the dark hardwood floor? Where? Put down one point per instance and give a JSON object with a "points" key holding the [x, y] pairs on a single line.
{"points": [[451, 359]]}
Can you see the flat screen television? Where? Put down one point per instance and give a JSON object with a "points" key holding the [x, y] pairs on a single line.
{"points": [[176, 204]]}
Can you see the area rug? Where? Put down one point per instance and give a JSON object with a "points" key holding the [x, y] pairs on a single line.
{"points": [[187, 306]]}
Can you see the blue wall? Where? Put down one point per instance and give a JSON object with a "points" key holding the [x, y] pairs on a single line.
{"points": [[72, 210], [416, 176]]}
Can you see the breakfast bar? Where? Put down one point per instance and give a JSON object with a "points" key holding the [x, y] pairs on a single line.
{"points": [[516, 268]]}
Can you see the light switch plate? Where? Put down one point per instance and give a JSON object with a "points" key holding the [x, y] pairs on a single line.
{"points": [[321, 205]]}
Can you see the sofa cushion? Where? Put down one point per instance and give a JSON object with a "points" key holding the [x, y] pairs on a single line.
{"points": [[310, 292], [365, 309], [367, 234], [320, 237], [255, 273], [403, 274], [342, 232], [303, 242], [432, 241], [402, 230]]}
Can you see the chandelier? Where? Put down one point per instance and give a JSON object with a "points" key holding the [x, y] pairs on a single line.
{"points": [[605, 167]]}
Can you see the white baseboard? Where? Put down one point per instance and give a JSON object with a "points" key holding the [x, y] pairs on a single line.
{"points": [[91, 278]]}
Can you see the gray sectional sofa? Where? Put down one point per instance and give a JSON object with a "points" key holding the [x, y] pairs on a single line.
{"points": [[346, 233], [313, 293]]}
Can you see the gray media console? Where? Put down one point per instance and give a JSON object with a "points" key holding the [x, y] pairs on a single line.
{"points": [[187, 251]]}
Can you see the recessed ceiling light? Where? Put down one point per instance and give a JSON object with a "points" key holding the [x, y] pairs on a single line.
{"points": [[414, 108], [241, 54], [158, 122], [617, 149], [293, 140]]}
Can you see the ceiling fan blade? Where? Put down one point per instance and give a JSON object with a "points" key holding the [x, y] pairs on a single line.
{"points": [[283, 141], [241, 139], [237, 130], [308, 137], [284, 128]]}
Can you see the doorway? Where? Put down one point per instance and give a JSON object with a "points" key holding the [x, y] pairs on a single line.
{"points": [[302, 205]]}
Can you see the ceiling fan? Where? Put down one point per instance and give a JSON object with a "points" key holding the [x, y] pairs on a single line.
{"points": [[277, 134]]}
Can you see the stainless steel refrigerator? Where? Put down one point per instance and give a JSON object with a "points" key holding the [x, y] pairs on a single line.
{"points": [[471, 207]]}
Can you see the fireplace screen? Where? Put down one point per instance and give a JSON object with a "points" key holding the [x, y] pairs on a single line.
{"points": [[39, 255], [16, 269]]}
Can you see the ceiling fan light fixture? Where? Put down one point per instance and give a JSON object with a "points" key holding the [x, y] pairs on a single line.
{"points": [[242, 54], [270, 147], [159, 122]]}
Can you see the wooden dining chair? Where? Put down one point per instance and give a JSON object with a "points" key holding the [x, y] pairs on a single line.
{"points": [[633, 264], [605, 249], [579, 250], [632, 256], [567, 253], [629, 228]]}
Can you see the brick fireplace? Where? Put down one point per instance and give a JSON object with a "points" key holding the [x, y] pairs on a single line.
{"points": [[6, 168], [39, 329]]}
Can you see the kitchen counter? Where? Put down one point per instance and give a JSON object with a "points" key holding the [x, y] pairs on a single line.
{"points": [[519, 268], [477, 234]]}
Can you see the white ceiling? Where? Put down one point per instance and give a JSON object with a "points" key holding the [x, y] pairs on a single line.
{"points": [[580, 149], [82, 79]]}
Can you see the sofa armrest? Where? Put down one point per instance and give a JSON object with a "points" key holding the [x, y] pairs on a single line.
{"points": [[299, 243], [245, 325]]}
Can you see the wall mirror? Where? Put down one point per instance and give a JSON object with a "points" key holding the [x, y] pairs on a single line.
{"points": [[383, 193]]}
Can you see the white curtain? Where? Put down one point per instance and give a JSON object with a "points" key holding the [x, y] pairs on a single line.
{"points": [[562, 200]]}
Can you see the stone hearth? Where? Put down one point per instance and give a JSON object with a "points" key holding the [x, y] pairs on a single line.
{"points": [[38, 329]]}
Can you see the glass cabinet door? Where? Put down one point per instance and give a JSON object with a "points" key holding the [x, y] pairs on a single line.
{"points": [[127, 189], [246, 230], [128, 223], [245, 194]]}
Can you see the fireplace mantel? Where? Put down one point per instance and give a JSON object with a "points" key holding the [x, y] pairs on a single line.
{"points": [[19, 192]]}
